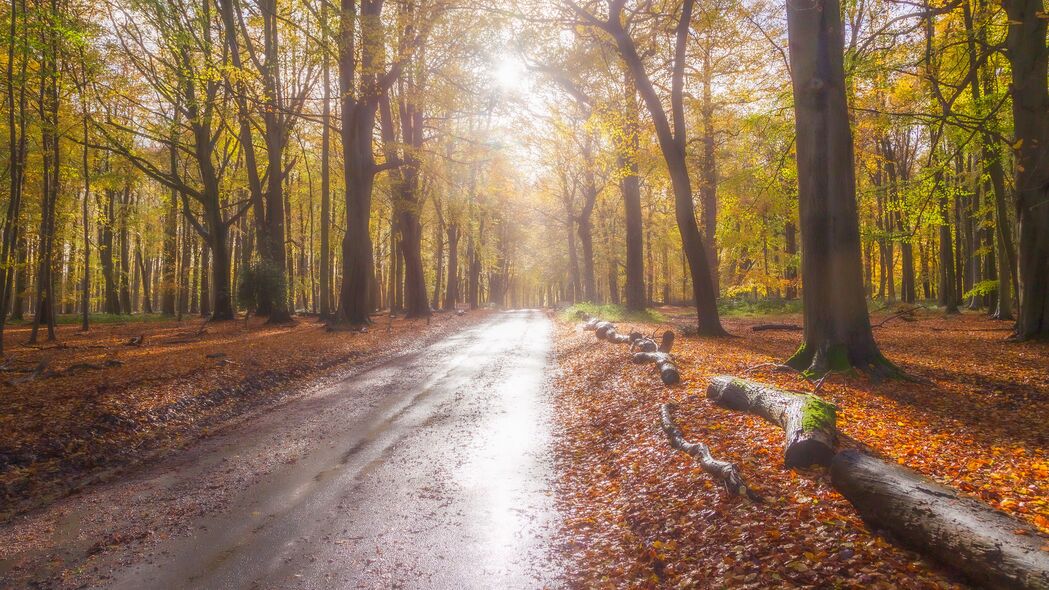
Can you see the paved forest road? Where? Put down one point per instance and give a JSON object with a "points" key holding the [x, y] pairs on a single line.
{"points": [[429, 470]]}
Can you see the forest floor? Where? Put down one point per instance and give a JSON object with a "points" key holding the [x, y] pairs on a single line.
{"points": [[640, 514], [80, 410]]}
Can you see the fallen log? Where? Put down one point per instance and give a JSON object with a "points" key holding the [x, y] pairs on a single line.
{"points": [[809, 422], [649, 345], [617, 338], [723, 472], [602, 328], [990, 547], [664, 363], [40, 369], [768, 327]]}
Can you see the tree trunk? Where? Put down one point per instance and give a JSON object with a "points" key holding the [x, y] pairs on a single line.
{"points": [[107, 207], [790, 249], [205, 286], [359, 103], [630, 185], [16, 122], [145, 272], [451, 295], [837, 326], [586, 240], [124, 275], [672, 144], [168, 280], [1028, 55], [20, 279], [948, 297], [991, 548], [708, 172], [573, 261], [325, 258], [808, 421], [438, 255]]}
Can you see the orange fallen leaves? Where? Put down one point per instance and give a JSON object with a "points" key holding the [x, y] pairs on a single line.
{"points": [[979, 426], [184, 379]]}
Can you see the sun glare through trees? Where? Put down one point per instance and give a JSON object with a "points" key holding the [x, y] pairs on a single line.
{"points": [[524, 294]]}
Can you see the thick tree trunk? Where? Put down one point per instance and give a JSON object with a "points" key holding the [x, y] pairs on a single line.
{"points": [[51, 166], [16, 121], [991, 548], [415, 298], [1029, 57], [837, 327], [220, 274], [474, 284], [808, 421], [359, 103], [325, 290]]}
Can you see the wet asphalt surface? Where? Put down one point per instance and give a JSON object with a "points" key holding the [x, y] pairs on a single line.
{"points": [[432, 469]]}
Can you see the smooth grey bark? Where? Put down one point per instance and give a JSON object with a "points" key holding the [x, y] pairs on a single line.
{"points": [[837, 326]]}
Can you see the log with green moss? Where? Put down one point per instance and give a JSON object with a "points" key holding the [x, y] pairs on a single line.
{"points": [[809, 422], [990, 547]]}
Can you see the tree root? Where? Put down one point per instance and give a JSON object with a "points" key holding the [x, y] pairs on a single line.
{"points": [[723, 472]]}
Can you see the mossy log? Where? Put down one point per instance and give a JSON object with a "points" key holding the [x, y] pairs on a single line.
{"points": [[990, 547], [809, 422], [723, 472]]}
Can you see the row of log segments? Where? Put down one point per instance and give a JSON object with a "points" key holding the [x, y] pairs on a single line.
{"points": [[648, 350]]}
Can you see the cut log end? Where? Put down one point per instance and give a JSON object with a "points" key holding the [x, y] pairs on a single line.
{"points": [[808, 421]]}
